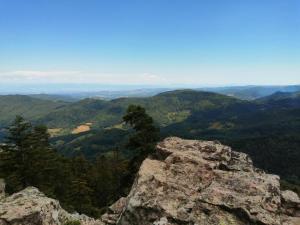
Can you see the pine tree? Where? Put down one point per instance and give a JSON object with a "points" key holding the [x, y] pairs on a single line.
{"points": [[101, 182], [143, 140], [80, 191], [45, 161], [146, 134], [15, 159], [28, 159], [80, 195]]}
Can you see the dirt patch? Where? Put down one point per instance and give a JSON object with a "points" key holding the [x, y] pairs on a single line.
{"points": [[82, 128]]}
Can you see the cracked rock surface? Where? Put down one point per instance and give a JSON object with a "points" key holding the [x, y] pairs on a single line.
{"points": [[204, 183], [31, 207], [189, 182]]}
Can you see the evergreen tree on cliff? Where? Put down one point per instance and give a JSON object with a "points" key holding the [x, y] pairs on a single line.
{"points": [[146, 134], [143, 140]]}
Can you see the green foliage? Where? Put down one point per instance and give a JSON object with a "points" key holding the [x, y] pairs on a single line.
{"points": [[80, 185], [31, 108], [92, 143], [267, 129], [28, 159], [146, 134], [143, 140], [72, 222], [108, 113]]}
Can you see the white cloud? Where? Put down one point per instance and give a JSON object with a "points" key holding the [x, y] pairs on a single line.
{"points": [[25, 75], [66, 76], [203, 75], [38, 74], [152, 78]]}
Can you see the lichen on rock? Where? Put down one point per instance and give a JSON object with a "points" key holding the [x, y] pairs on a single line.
{"points": [[189, 182], [32, 207], [205, 183]]}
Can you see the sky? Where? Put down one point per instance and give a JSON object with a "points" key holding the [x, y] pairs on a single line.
{"points": [[150, 42]]}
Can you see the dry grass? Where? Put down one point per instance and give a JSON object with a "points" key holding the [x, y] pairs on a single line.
{"points": [[82, 128], [116, 126], [54, 131]]}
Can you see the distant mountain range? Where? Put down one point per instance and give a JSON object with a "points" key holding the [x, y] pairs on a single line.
{"points": [[76, 93], [166, 108], [105, 94], [252, 92], [267, 128], [279, 95]]}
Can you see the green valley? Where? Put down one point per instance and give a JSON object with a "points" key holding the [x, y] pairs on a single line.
{"points": [[267, 128]]}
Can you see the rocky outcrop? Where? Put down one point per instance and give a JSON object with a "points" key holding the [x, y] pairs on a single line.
{"points": [[290, 207], [114, 212], [188, 182], [31, 207], [203, 183]]}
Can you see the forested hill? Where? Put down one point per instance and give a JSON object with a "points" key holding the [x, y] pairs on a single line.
{"points": [[253, 92], [281, 95], [166, 108], [267, 128], [30, 108]]}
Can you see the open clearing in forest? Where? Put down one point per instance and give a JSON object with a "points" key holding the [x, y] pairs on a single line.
{"points": [[82, 128]]}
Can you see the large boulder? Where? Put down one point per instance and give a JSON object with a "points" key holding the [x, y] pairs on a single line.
{"points": [[114, 212], [204, 183], [188, 182], [31, 207], [290, 203]]}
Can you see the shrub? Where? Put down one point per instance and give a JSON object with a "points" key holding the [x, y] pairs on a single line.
{"points": [[72, 222]]}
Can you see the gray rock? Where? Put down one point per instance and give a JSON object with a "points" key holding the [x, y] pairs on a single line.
{"points": [[204, 183], [114, 212], [31, 207], [290, 203], [189, 183]]}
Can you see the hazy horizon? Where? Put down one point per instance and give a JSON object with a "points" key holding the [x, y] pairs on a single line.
{"points": [[94, 88]]}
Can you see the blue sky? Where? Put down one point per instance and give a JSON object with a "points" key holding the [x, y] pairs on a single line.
{"points": [[150, 42]]}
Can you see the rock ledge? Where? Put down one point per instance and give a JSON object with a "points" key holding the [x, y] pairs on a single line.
{"points": [[31, 207], [204, 183], [189, 182]]}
